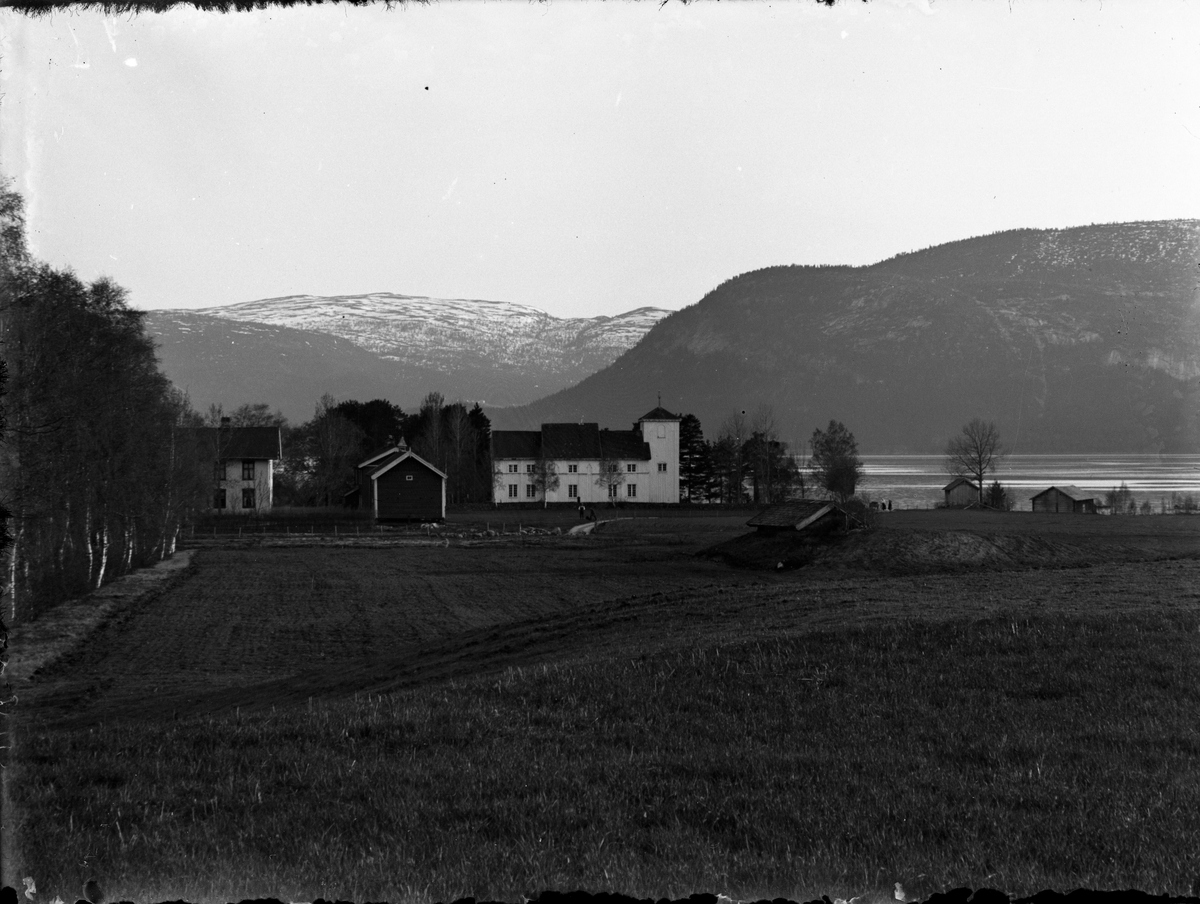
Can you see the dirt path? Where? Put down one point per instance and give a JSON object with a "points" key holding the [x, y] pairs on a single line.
{"points": [[61, 632]]}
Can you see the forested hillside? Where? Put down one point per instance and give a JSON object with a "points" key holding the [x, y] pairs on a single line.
{"points": [[1078, 340], [92, 467]]}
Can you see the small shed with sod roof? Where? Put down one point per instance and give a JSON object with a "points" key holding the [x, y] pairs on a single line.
{"points": [[798, 516], [960, 493], [405, 487], [1065, 499]]}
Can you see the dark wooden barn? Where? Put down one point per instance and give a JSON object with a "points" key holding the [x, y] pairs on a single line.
{"points": [[363, 493], [1065, 499], [405, 487]]}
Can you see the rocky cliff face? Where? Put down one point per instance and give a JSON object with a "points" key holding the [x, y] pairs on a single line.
{"points": [[1073, 340], [288, 351]]}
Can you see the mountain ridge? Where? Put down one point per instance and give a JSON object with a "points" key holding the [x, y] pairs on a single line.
{"points": [[398, 347], [1084, 339]]}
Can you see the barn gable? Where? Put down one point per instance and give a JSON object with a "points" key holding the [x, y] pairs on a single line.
{"points": [[408, 488], [1064, 499], [961, 492]]}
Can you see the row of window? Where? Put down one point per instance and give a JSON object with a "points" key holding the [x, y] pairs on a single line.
{"points": [[247, 471], [573, 491], [574, 469], [219, 498]]}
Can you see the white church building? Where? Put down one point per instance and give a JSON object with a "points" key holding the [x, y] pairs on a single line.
{"points": [[592, 466]]}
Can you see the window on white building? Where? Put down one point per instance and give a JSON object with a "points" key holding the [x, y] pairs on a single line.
{"points": [[631, 490], [529, 469], [612, 491], [572, 491], [248, 497], [512, 469], [632, 469], [531, 492], [572, 469], [512, 491], [662, 467], [662, 431], [247, 470]]}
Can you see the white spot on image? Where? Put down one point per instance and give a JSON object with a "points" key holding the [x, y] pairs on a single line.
{"points": [[450, 190], [131, 62]]}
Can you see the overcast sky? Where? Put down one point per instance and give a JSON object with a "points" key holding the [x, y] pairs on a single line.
{"points": [[581, 157]]}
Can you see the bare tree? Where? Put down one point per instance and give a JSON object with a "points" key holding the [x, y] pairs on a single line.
{"points": [[544, 478], [610, 477], [1120, 500], [975, 452]]}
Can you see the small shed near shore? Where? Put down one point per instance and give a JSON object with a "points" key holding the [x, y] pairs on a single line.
{"points": [[800, 516], [960, 493], [1065, 499]]}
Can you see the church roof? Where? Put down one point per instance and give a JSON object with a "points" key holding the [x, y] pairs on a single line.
{"points": [[516, 443], [561, 441], [659, 414], [623, 444]]}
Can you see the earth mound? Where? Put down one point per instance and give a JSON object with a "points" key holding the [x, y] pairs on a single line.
{"points": [[897, 552]]}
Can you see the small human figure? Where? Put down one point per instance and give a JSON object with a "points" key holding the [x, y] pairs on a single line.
{"points": [[582, 513], [889, 505], [591, 514]]}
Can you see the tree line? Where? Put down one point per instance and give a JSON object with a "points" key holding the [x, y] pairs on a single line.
{"points": [[92, 470], [747, 462], [320, 455]]}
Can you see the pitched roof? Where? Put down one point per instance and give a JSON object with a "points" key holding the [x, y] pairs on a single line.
{"points": [[796, 515], [564, 441], [561, 441], [380, 459], [240, 442], [959, 480], [516, 443], [623, 444], [387, 466], [1073, 492], [659, 414]]}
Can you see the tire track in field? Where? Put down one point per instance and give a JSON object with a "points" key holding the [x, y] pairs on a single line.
{"points": [[250, 617], [719, 612]]}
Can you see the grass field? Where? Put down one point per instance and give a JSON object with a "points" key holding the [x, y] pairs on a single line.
{"points": [[1004, 701]]}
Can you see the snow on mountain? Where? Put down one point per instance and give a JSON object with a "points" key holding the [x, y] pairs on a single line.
{"points": [[440, 333]]}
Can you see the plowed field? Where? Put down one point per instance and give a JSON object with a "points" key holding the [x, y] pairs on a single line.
{"points": [[264, 626]]}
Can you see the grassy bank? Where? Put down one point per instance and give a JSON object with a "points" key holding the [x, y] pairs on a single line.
{"points": [[1018, 753]]}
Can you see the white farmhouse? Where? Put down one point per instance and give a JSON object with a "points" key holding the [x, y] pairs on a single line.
{"points": [[592, 465], [243, 465]]}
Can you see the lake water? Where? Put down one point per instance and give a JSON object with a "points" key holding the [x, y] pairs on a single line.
{"points": [[916, 481]]}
